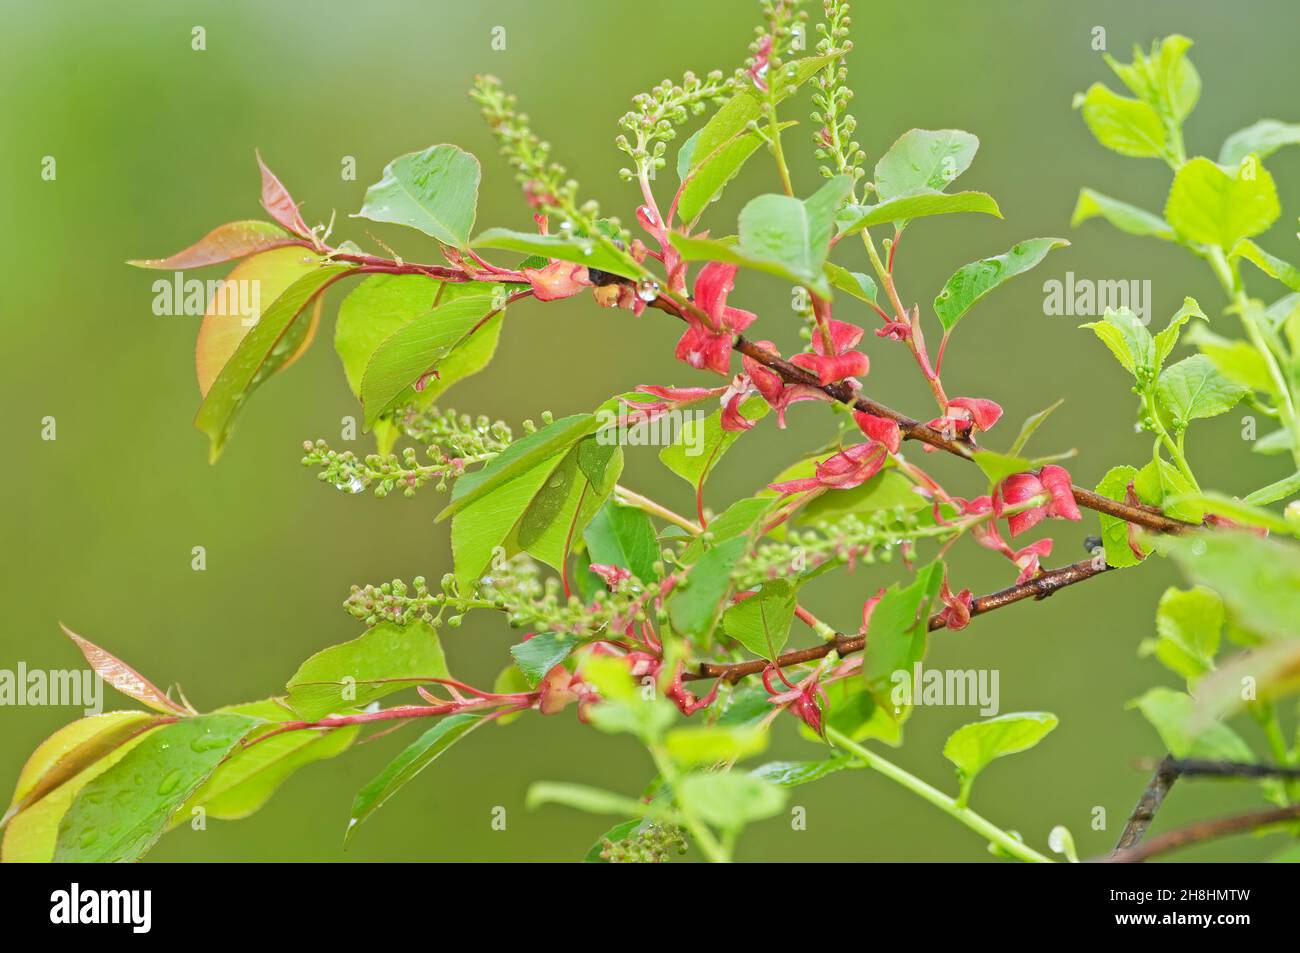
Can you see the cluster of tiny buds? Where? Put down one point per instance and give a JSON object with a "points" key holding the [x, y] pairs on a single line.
{"points": [[654, 843], [652, 124], [395, 602], [834, 136], [849, 540]]}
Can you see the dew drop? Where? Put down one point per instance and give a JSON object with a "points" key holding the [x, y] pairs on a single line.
{"points": [[647, 290], [171, 782]]}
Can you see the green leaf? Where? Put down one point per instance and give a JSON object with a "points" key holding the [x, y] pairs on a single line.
{"points": [[385, 659], [694, 610], [780, 235], [887, 490], [120, 814], [1125, 217], [701, 444], [1209, 205], [1166, 487], [1114, 531], [623, 536], [372, 312], [789, 774], [1271, 265], [418, 348], [897, 634], [521, 456], [1127, 338], [998, 466], [1127, 126], [615, 835], [972, 282], [762, 621], [571, 496], [729, 801], [708, 173], [1165, 79], [921, 204], [247, 779], [538, 655], [1261, 139], [1173, 715], [1189, 623], [258, 355], [1259, 579], [1194, 389], [702, 745], [576, 248], [924, 159], [1275, 491], [1236, 360], [72, 749], [1166, 339], [1031, 424], [592, 800], [415, 758], [434, 191], [855, 283], [971, 747], [1240, 511]]}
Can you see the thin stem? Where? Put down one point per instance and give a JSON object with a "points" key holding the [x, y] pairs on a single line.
{"points": [[1203, 831], [709, 846], [647, 505], [964, 815]]}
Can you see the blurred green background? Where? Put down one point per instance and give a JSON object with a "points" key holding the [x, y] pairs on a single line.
{"points": [[154, 144]]}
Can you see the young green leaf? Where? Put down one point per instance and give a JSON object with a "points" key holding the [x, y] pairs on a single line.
{"points": [[1271, 265], [971, 747], [538, 655], [121, 813], [373, 311], [1194, 389], [1164, 79], [591, 800], [415, 758], [761, 622], [924, 159], [1216, 207], [860, 286], [704, 745], [1031, 424], [920, 204], [1189, 623], [1174, 717], [434, 191], [1114, 531], [972, 282], [1166, 339], [418, 348], [728, 800], [707, 174], [622, 536], [1125, 217], [260, 353], [72, 749], [897, 634], [694, 610], [1261, 139], [572, 495], [701, 444], [1127, 338], [789, 774], [575, 248], [1127, 126], [385, 659], [246, 780]]}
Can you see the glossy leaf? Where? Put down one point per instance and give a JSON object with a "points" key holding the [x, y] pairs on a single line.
{"points": [[418, 348], [972, 282], [623, 536], [226, 323], [707, 173], [434, 191], [385, 659], [571, 496], [259, 353], [924, 159], [694, 610], [538, 655], [415, 758], [121, 813], [1127, 338], [576, 248], [1114, 531], [72, 749], [224, 243], [860, 286], [117, 674], [789, 774], [761, 622], [922, 204], [701, 444]]}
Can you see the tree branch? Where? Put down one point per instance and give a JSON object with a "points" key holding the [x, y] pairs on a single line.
{"points": [[1203, 831], [1038, 588], [1148, 804]]}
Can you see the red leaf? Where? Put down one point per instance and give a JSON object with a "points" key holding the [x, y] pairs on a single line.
{"points": [[277, 200], [124, 678], [223, 243]]}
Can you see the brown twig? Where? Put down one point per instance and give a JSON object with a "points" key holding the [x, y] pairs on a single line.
{"points": [[1148, 804], [1203, 831], [1038, 588], [1197, 768]]}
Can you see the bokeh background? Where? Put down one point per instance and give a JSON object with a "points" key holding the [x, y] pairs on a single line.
{"points": [[154, 144]]}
